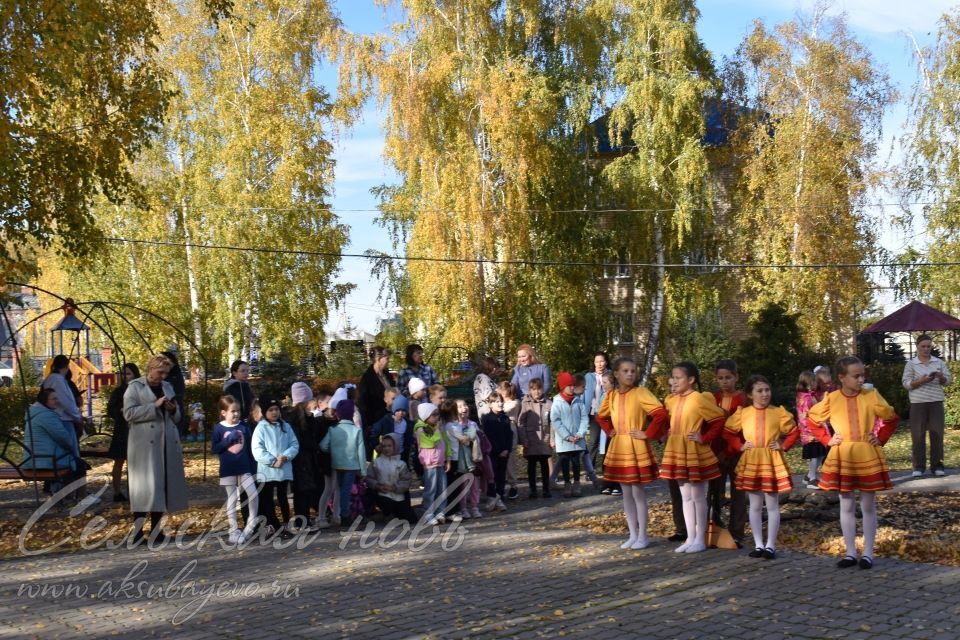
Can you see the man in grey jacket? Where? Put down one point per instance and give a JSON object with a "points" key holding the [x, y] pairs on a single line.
{"points": [[924, 377]]}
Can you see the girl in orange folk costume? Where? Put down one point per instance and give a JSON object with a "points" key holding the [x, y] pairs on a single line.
{"points": [[629, 458], [762, 471], [695, 421], [855, 460]]}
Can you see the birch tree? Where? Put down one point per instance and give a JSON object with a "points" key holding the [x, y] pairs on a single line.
{"points": [[245, 160], [805, 148], [662, 76], [487, 107], [932, 167]]}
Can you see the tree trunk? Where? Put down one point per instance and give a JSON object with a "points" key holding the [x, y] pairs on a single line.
{"points": [[247, 332], [656, 319], [231, 329], [192, 282]]}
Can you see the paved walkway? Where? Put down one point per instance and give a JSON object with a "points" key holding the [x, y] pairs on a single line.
{"points": [[511, 576]]}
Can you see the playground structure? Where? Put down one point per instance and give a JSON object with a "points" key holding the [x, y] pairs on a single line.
{"points": [[71, 337], [85, 374]]}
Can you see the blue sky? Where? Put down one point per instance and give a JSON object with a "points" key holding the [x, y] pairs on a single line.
{"points": [[880, 24]]}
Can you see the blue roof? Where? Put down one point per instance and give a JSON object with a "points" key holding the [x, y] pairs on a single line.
{"points": [[69, 322], [720, 120]]}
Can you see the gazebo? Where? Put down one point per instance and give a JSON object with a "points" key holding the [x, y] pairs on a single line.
{"points": [[918, 317]]}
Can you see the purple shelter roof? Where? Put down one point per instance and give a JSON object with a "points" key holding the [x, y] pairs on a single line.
{"points": [[916, 316]]}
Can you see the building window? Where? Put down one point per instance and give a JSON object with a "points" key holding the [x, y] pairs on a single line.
{"points": [[622, 330], [618, 268]]}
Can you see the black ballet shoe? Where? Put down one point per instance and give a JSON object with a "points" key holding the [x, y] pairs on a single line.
{"points": [[866, 562], [769, 554], [847, 562], [756, 553]]}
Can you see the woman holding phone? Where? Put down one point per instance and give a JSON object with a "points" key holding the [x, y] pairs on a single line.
{"points": [[154, 457]]}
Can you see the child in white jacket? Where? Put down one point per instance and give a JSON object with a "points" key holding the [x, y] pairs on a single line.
{"points": [[390, 477]]}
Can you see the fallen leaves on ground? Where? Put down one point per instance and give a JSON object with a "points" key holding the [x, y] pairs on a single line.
{"points": [[92, 529], [919, 527]]}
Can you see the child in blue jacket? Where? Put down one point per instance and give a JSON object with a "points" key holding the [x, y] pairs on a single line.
{"points": [[348, 454], [274, 446]]}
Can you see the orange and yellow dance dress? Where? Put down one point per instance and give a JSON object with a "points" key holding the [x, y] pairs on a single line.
{"points": [[629, 460], [762, 468], [855, 463], [685, 459]]}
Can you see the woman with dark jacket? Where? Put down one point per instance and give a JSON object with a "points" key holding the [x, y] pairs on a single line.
{"points": [[375, 380], [238, 387], [121, 429]]}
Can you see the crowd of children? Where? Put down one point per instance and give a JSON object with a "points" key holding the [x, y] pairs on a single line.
{"points": [[319, 448]]}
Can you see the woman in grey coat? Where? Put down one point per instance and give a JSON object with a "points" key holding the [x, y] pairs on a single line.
{"points": [[154, 457]]}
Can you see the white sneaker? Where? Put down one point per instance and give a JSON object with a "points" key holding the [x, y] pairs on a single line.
{"points": [[629, 543], [476, 514], [917, 474], [234, 536], [490, 504], [432, 522], [456, 518], [939, 473], [813, 485], [641, 543], [465, 515], [500, 506], [683, 548], [696, 547]]}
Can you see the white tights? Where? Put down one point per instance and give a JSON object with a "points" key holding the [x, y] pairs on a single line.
{"points": [[635, 509], [757, 498], [694, 496], [248, 486], [814, 471], [848, 521]]}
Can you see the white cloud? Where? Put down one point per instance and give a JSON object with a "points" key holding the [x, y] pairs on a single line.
{"points": [[878, 16], [360, 160], [890, 16]]}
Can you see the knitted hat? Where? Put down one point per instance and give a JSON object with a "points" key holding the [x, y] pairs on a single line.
{"points": [[345, 409], [415, 385], [400, 404], [300, 393], [338, 395], [267, 401], [426, 409], [564, 380]]}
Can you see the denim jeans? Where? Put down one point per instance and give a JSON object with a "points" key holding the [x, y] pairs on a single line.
{"points": [[434, 486], [347, 478]]}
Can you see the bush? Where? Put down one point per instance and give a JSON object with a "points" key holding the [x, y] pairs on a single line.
{"points": [[13, 405], [777, 350], [210, 401], [951, 404], [346, 360], [887, 377]]}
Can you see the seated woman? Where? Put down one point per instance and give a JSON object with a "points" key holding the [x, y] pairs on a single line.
{"points": [[52, 444]]}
